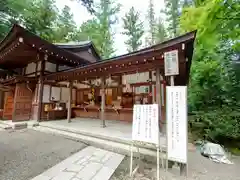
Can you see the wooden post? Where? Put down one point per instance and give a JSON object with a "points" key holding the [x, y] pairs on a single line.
{"points": [[69, 103], [40, 90], [151, 87], [103, 102], [40, 95], [172, 80], [14, 103], [158, 92]]}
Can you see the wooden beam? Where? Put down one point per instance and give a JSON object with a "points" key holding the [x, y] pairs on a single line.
{"points": [[103, 101], [69, 114]]}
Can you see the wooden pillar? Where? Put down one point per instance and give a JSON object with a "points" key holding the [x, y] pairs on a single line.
{"points": [[1, 99], [40, 95], [40, 88], [151, 87], [15, 102], [158, 87], [103, 101], [158, 94], [69, 114]]}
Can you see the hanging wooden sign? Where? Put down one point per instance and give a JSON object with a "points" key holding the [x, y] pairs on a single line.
{"points": [[171, 66]]}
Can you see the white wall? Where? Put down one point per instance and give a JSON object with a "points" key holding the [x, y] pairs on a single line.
{"points": [[59, 93], [135, 78], [31, 67], [50, 67], [62, 68], [56, 93], [46, 93], [64, 94]]}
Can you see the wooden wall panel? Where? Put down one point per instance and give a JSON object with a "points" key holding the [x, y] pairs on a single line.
{"points": [[22, 103], [8, 106]]}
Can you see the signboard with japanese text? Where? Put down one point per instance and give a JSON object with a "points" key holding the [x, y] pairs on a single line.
{"points": [[145, 123], [177, 123], [171, 66]]}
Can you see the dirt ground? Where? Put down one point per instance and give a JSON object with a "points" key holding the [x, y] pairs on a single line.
{"points": [[200, 168], [26, 153]]}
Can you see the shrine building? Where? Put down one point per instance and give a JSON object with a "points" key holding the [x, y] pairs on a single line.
{"points": [[44, 81]]}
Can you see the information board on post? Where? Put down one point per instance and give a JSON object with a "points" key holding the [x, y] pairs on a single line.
{"points": [[145, 126], [177, 123], [171, 64]]}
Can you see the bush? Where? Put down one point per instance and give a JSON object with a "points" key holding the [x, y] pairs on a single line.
{"points": [[220, 126]]}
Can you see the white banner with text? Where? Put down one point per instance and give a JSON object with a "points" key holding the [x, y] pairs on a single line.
{"points": [[177, 123], [145, 123]]}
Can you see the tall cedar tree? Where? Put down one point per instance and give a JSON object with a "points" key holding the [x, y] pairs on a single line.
{"points": [[172, 8], [89, 30], [66, 26], [106, 17], [40, 17], [99, 29], [151, 22], [10, 12], [134, 29], [160, 31]]}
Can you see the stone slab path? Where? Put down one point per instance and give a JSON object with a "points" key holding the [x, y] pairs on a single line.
{"points": [[88, 164]]}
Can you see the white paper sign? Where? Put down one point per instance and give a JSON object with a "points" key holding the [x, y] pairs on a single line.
{"points": [[145, 123], [171, 63], [177, 123]]}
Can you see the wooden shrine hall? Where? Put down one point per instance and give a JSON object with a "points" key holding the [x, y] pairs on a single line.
{"points": [[44, 81]]}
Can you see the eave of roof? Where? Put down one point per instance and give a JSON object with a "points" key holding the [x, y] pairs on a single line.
{"points": [[156, 50], [180, 39], [38, 43], [71, 45], [80, 45]]}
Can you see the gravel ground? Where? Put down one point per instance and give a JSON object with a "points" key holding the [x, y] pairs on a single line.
{"points": [[200, 168], [26, 153]]}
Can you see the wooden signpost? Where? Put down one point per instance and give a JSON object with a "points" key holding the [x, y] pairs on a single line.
{"points": [[177, 138], [145, 130]]}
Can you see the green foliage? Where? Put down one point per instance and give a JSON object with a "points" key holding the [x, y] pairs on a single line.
{"points": [[151, 22], [89, 31], [214, 85], [160, 32], [10, 12], [99, 29], [88, 4], [65, 26], [105, 14], [40, 17], [157, 30], [218, 125], [172, 11], [133, 28]]}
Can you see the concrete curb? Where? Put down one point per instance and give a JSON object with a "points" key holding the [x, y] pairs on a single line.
{"points": [[107, 138], [17, 125], [118, 147]]}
